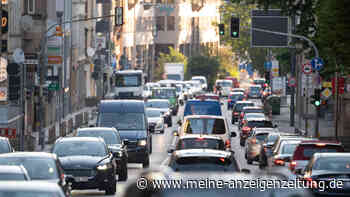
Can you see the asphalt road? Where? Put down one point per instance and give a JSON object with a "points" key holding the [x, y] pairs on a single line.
{"points": [[161, 143]]}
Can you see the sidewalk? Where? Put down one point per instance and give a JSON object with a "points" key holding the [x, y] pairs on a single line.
{"points": [[326, 128], [81, 118]]}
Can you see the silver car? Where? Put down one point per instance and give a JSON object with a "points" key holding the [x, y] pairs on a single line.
{"points": [[253, 144]]}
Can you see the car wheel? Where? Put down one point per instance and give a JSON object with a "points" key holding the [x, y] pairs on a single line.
{"points": [[112, 186], [162, 131], [123, 174], [145, 163], [233, 121]]}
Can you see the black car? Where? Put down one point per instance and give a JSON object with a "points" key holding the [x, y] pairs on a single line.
{"points": [[39, 165], [115, 144], [5, 145], [130, 119], [238, 108], [201, 160], [87, 163]]}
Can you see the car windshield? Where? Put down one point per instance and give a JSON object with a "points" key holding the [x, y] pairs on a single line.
{"points": [[37, 168], [128, 80], [239, 106], [28, 194], [254, 89], [205, 126], [200, 143], [259, 81], [110, 137], [203, 108], [342, 164], [164, 93], [288, 148], [272, 138], [260, 124], [200, 80], [261, 136], [203, 163], [224, 84], [236, 96], [4, 147], [157, 104], [12, 177], [153, 113], [122, 121], [78, 148]]}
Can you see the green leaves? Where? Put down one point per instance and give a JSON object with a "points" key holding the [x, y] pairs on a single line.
{"points": [[173, 56]]}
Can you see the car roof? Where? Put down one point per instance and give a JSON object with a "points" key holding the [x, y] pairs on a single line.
{"points": [[200, 100], [74, 139], [236, 93], [327, 142], [240, 102], [256, 118], [154, 109], [97, 128], [255, 86], [3, 138], [40, 186], [189, 136], [240, 89], [252, 107], [198, 77], [223, 80], [164, 88], [201, 153], [336, 154], [136, 106], [158, 100], [129, 71], [251, 115], [204, 116], [30, 154], [11, 169]]}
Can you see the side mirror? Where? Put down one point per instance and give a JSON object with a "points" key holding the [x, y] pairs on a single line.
{"points": [[246, 171], [125, 142], [287, 159], [233, 134], [179, 122]]}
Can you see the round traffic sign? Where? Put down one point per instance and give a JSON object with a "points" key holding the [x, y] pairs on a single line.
{"points": [[307, 69], [317, 63], [292, 82]]}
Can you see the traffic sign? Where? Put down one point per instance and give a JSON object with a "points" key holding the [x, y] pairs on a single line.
{"points": [[292, 82], [317, 63], [307, 68], [53, 86], [326, 93]]}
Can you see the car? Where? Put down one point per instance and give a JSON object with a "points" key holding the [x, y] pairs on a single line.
{"points": [[118, 147], [147, 89], [202, 107], [237, 109], [130, 119], [198, 141], [180, 93], [251, 123], [187, 92], [254, 143], [208, 96], [238, 90], [30, 189], [259, 81], [281, 155], [254, 92], [233, 97], [329, 170], [13, 173], [234, 80], [167, 93], [206, 160], [202, 80], [40, 166], [5, 145], [247, 110], [223, 87], [208, 125], [87, 163], [164, 106], [155, 120], [306, 149]]}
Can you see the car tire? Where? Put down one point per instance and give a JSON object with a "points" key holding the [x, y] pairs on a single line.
{"points": [[241, 142], [123, 174], [150, 146], [233, 121], [162, 131], [170, 123], [145, 163], [112, 186]]}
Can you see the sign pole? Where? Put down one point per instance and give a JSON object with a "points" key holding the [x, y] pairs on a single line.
{"points": [[307, 104], [1, 28]]}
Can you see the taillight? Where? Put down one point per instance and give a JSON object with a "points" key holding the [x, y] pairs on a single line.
{"points": [[246, 129], [228, 143], [292, 165], [242, 115], [229, 100], [235, 113], [62, 176], [265, 149], [279, 162]]}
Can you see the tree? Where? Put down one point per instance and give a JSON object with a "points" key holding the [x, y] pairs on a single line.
{"points": [[173, 56], [227, 62]]}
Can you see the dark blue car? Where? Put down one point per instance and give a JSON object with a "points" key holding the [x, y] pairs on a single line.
{"points": [[233, 98], [203, 107]]}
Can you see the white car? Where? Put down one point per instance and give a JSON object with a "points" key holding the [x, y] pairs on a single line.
{"points": [[147, 89], [196, 87], [155, 119], [226, 87], [202, 80]]}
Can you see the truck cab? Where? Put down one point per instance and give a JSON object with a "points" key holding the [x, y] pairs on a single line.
{"points": [[128, 84]]}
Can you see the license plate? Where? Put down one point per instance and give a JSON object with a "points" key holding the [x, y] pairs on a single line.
{"points": [[81, 179]]}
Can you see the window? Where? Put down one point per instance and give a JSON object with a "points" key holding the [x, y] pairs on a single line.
{"points": [[31, 6], [160, 23], [171, 23]]}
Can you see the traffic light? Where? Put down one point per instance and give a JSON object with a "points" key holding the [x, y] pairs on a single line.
{"points": [[221, 29], [118, 17], [267, 77], [234, 27], [316, 98], [14, 81]]}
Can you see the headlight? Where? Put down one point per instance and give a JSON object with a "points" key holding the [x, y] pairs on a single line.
{"points": [[142, 143], [103, 167]]}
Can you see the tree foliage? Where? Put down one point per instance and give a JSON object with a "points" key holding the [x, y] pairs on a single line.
{"points": [[227, 63], [173, 56]]}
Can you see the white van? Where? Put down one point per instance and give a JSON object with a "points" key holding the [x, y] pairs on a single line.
{"points": [[226, 87], [202, 80]]}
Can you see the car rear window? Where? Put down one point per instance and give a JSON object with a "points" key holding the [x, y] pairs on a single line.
{"points": [[12, 177], [259, 124], [239, 106], [237, 97], [288, 148], [204, 163], [305, 152], [200, 143], [253, 111], [261, 136], [203, 108], [4, 147], [342, 164], [205, 126]]}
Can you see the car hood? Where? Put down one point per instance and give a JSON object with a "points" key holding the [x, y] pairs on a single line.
{"points": [[330, 174], [81, 161], [154, 120], [132, 134]]}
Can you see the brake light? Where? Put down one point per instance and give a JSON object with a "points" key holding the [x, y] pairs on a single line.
{"points": [[320, 144], [235, 113], [242, 115], [62, 176], [244, 121], [279, 162], [292, 165], [200, 138], [246, 129], [229, 100], [228, 143], [222, 159]]}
